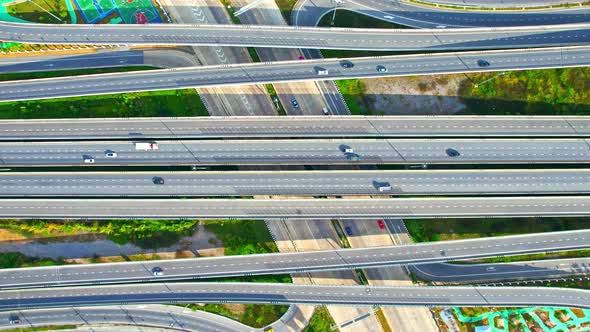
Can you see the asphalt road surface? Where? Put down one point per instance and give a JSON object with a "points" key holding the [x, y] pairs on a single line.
{"points": [[147, 316], [197, 292], [494, 272], [324, 260], [140, 129], [298, 152], [534, 206], [291, 71], [318, 183]]}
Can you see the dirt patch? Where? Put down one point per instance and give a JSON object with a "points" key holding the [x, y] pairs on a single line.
{"points": [[236, 309], [6, 235], [415, 95]]}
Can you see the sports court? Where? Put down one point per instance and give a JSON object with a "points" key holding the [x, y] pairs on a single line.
{"points": [[130, 11]]}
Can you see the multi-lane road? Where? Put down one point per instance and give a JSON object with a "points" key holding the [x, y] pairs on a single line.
{"points": [[299, 37], [276, 263], [298, 152], [204, 292], [535, 206], [306, 183], [295, 126], [291, 71]]}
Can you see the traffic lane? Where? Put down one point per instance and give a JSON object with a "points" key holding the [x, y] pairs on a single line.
{"points": [[326, 260], [556, 268], [529, 206], [139, 315], [199, 152], [61, 62], [293, 294], [292, 71], [298, 152], [250, 183]]}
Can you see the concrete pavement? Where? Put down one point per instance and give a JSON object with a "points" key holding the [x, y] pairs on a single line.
{"points": [[532, 206], [142, 129], [294, 71], [299, 152], [203, 292], [305, 183]]}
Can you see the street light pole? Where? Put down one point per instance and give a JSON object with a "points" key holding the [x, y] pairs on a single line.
{"points": [[336, 3]]}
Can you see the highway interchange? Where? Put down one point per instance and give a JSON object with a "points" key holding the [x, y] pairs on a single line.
{"points": [[303, 141], [293, 71]]}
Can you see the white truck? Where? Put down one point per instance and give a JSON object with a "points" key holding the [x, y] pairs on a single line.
{"points": [[321, 71], [146, 146]]}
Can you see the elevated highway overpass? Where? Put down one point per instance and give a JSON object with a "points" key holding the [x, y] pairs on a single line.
{"points": [[263, 293], [293, 71], [298, 152], [293, 183], [299, 37], [407, 208], [423, 254], [141, 129]]}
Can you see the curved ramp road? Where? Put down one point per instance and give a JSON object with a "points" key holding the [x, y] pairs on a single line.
{"points": [[141, 129], [291, 71], [151, 316], [297, 208], [292, 294], [309, 13], [298, 37], [298, 152], [465, 273], [318, 183], [228, 266]]}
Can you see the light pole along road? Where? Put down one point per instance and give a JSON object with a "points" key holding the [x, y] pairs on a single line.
{"points": [[530, 206], [318, 183], [277, 263], [142, 129], [297, 152], [293, 71]]}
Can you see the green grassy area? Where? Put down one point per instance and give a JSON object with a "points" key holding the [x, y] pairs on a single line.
{"points": [[286, 6], [16, 259], [252, 315], [30, 11], [72, 72], [321, 321], [426, 230], [242, 237], [138, 104], [145, 233], [533, 92], [353, 93], [275, 99]]}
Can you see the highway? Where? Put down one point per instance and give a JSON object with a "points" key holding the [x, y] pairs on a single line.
{"points": [[408, 208], [298, 152], [293, 71], [297, 262], [309, 13], [493, 272], [203, 292], [144, 317], [317, 183], [138, 129], [503, 3], [299, 37]]}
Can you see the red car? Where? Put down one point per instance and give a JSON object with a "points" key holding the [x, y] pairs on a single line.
{"points": [[381, 224]]}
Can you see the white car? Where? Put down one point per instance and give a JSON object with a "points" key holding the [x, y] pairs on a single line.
{"points": [[88, 160], [110, 154]]}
